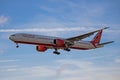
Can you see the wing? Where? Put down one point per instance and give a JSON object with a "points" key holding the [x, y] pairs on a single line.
{"points": [[80, 37]]}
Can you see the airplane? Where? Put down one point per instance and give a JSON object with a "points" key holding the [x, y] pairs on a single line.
{"points": [[49, 42]]}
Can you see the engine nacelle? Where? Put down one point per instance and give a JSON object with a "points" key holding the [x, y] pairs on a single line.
{"points": [[41, 48], [59, 42]]}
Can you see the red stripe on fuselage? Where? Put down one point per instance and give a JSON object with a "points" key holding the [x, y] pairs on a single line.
{"points": [[50, 45]]}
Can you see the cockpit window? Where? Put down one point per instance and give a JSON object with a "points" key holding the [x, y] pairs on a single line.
{"points": [[12, 35]]}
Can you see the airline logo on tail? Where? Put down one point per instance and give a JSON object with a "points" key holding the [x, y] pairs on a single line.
{"points": [[97, 38]]}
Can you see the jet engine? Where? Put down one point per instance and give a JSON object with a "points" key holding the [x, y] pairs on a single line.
{"points": [[59, 42], [41, 48]]}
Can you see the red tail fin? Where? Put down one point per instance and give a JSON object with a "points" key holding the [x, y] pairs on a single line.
{"points": [[96, 39]]}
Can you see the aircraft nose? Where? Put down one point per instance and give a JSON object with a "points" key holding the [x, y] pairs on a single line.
{"points": [[11, 37]]}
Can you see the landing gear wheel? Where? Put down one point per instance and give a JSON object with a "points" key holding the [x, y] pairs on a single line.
{"points": [[17, 45], [67, 49], [55, 52]]}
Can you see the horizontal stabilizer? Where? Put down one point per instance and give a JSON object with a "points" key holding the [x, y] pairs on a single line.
{"points": [[105, 28], [106, 43]]}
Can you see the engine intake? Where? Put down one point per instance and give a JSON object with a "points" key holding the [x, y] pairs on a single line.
{"points": [[41, 48], [59, 42]]}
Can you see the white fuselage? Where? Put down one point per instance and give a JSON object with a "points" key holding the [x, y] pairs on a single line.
{"points": [[47, 41]]}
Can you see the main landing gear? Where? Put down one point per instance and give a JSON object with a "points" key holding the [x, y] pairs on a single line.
{"points": [[56, 52], [67, 49]]}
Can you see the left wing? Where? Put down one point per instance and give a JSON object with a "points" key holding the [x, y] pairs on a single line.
{"points": [[80, 37]]}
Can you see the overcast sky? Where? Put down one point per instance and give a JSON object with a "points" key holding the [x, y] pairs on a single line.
{"points": [[61, 18]]}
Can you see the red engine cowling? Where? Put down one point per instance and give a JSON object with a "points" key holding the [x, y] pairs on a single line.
{"points": [[41, 48], [59, 42]]}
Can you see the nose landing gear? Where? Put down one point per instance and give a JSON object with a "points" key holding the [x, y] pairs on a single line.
{"points": [[17, 46]]}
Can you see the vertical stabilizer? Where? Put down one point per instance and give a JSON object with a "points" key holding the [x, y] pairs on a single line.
{"points": [[97, 38]]}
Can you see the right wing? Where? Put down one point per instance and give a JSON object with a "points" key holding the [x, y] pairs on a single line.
{"points": [[80, 37]]}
